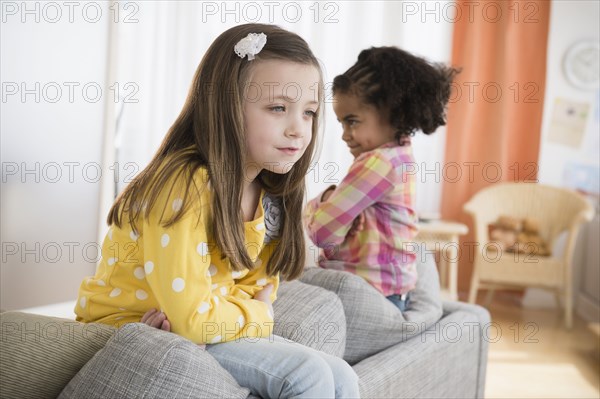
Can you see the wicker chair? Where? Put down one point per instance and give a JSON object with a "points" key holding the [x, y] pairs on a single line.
{"points": [[557, 210]]}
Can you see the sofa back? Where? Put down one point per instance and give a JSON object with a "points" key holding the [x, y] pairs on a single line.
{"points": [[373, 322]]}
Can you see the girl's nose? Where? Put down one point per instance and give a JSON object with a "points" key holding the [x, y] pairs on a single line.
{"points": [[295, 128], [346, 136], [293, 132]]}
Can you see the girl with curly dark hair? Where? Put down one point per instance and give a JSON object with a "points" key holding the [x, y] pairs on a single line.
{"points": [[366, 222]]}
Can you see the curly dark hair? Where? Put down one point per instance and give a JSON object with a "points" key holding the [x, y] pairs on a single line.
{"points": [[409, 90]]}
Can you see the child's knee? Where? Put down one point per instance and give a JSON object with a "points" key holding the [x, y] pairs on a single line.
{"points": [[344, 375], [313, 376]]}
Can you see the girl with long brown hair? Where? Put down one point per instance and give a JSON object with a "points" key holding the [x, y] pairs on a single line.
{"points": [[205, 231]]}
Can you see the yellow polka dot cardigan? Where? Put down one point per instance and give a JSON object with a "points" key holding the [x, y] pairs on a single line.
{"points": [[180, 271]]}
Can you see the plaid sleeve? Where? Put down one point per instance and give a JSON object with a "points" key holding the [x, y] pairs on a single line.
{"points": [[369, 179], [312, 206]]}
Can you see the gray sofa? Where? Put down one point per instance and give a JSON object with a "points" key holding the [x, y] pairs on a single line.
{"points": [[434, 350]]}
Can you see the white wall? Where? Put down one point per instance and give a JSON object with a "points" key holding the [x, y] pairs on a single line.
{"points": [[50, 214], [336, 32], [570, 21]]}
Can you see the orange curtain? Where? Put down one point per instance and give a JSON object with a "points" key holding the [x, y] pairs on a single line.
{"points": [[495, 113]]}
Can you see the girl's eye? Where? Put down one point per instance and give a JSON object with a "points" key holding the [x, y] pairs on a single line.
{"points": [[352, 123], [278, 108], [310, 113]]}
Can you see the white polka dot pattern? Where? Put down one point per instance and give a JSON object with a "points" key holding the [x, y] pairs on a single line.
{"points": [[178, 284], [139, 273], [236, 274], [148, 267], [212, 270], [203, 308], [202, 249], [177, 203], [141, 295], [164, 240]]}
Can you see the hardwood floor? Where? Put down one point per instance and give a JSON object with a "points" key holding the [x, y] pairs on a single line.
{"points": [[532, 355]]}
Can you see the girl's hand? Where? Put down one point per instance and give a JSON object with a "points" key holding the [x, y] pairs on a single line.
{"points": [[159, 320], [264, 295], [357, 225]]}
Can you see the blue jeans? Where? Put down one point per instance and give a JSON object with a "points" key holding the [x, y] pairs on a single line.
{"points": [[400, 303], [277, 368]]}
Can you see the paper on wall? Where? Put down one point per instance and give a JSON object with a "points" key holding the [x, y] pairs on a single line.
{"points": [[568, 122], [592, 140]]}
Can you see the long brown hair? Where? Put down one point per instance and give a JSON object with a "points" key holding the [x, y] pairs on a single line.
{"points": [[209, 132]]}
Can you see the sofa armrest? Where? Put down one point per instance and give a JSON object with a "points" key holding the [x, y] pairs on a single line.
{"points": [[484, 321], [143, 361], [453, 306], [448, 360], [39, 354]]}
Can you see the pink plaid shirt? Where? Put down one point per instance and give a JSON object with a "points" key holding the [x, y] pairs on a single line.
{"points": [[380, 185]]}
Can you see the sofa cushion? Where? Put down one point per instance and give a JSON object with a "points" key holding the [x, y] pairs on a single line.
{"points": [[142, 361], [40, 354], [311, 316], [373, 322]]}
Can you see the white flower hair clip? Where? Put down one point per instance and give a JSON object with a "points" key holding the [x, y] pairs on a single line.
{"points": [[250, 45]]}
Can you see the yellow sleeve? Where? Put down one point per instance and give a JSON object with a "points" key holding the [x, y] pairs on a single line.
{"points": [[181, 269], [256, 279]]}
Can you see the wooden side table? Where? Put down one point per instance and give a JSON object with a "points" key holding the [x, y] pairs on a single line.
{"points": [[440, 235]]}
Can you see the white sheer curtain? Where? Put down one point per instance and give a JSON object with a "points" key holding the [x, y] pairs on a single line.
{"points": [[162, 42]]}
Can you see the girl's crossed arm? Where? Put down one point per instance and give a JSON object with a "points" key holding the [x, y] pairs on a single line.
{"points": [[255, 280], [194, 290], [329, 221]]}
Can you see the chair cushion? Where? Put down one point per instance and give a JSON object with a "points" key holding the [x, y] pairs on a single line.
{"points": [[142, 361], [311, 316], [40, 354], [373, 322]]}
